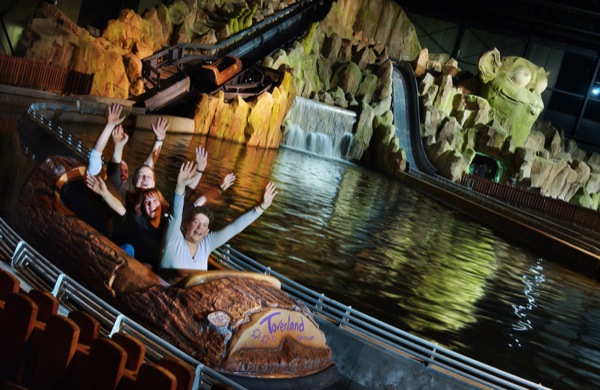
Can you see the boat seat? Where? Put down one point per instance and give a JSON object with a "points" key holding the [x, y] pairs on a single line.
{"points": [[135, 349], [57, 348], [155, 377], [89, 327], [46, 302], [17, 320], [183, 372]]}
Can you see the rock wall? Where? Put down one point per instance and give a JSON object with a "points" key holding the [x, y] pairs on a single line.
{"points": [[115, 56], [345, 61], [457, 122], [255, 123]]}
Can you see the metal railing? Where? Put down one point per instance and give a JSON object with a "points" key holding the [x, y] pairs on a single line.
{"points": [[561, 230], [35, 271], [37, 113], [369, 329]]}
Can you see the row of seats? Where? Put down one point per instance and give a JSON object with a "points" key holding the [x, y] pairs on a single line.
{"points": [[42, 349]]}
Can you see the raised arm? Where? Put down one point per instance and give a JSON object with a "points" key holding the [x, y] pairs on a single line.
{"points": [[113, 119], [186, 175], [201, 161], [98, 185], [222, 236], [227, 182], [160, 130]]}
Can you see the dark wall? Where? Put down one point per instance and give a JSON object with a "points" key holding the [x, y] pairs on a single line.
{"points": [[97, 13]]}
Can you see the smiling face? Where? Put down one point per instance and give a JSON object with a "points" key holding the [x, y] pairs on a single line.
{"points": [[151, 205], [144, 178], [196, 228]]}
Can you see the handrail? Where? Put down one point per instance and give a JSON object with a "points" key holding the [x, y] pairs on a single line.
{"points": [[368, 328], [521, 215], [181, 48], [35, 113]]}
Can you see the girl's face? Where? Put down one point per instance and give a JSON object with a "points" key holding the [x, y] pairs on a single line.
{"points": [[151, 206], [197, 228]]}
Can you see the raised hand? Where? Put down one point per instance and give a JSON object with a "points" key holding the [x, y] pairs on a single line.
{"points": [[227, 181], [185, 176], [113, 115], [269, 194], [96, 184], [201, 158], [160, 128], [119, 136]]}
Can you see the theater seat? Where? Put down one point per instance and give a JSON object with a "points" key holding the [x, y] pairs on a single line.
{"points": [[57, 347], [183, 372], [17, 320]]}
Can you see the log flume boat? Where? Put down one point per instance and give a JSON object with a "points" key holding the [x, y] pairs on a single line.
{"points": [[363, 351], [238, 323]]}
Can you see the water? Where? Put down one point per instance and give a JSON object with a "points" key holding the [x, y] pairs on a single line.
{"points": [[383, 248], [319, 128]]}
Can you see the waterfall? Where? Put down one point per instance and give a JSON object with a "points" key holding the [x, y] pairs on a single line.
{"points": [[319, 128]]}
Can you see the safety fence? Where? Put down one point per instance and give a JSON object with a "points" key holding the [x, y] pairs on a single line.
{"points": [[20, 72], [523, 198]]}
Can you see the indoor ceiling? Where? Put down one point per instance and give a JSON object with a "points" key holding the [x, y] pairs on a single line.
{"points": [[572, 22]]}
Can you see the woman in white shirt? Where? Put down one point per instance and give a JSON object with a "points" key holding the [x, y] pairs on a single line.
{"points": [[188, 241]]}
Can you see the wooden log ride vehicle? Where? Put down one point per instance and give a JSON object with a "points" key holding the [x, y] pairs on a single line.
{"points": [[239, 323], [219, 71], [251, 82]]}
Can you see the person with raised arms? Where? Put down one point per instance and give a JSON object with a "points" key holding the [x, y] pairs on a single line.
{"points": [[141, 235], [188, 240]]}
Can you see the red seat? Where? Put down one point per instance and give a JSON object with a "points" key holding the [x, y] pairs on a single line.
{"points": [[9, 284], [57, 347], [154, 377], [46, 302], [89, 327], [104, 366], [17, 320], [183, 372], [135, 349]]}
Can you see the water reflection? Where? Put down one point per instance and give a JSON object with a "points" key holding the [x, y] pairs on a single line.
{"points": [[532, 281], [385, 249]]}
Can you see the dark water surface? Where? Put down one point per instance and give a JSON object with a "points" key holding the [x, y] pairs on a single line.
{"points": [[381, 247]]}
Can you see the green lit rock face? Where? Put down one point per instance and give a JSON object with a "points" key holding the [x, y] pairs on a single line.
{"points": [[513, 86]]}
